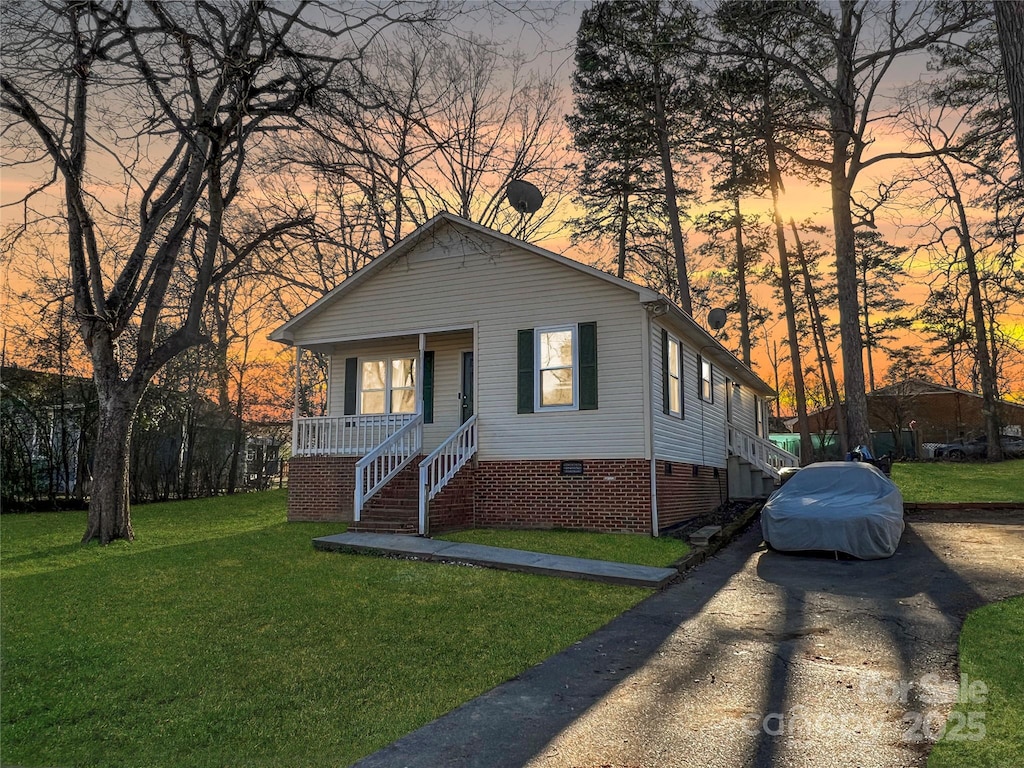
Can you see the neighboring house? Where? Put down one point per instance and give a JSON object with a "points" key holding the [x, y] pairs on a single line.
{"points": [[933, 412], [552, 395]]}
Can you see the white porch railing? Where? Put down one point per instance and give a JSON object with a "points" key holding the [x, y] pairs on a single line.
{"points": [[344, 435], [377, 467], [763, 454], [443, 463]]}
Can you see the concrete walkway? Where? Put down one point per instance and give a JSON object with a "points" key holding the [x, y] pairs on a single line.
{"points": [[756, 659], [498, 557]]}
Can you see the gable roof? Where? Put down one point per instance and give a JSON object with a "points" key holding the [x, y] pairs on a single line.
{"points": [[657, 303], [408, 243]]}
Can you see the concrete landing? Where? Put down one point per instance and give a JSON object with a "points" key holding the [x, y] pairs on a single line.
{"points": [[498, 557]]}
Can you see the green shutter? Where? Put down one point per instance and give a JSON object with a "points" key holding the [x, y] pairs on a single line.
{"points": [[428, 387], [665, 407], [525, 379], [588, 366], [351, 380]]}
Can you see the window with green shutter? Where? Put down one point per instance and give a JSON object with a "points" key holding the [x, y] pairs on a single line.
{"points": [[557, 368]]}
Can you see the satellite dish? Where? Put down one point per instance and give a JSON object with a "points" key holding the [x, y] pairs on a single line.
{"points": [[524, 197], [716, 319]]}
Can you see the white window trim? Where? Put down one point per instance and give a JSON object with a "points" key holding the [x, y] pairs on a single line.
{"points": [[387, 359], [701, 362], [574, 329], [681, 377]]}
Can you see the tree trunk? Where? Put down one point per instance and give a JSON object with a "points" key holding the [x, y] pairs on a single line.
{"points": [[806, 448], [818, 324], [741, 276], [109, 509], [671, 197], [989, 386], [842, 117], [623, 231], [858, 429], [1010, 29], [868, 344]]}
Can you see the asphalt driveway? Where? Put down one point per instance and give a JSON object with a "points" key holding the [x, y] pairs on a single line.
{"points": [[756, 659]]}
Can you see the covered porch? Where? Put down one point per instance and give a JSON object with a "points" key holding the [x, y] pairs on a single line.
{"points": [[399, 422]]}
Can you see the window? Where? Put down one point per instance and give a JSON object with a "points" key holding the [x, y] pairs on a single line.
{"points": [[759, 416], [557, 359], [674, 377], [707, 391], [557, 368], [387, 385]]}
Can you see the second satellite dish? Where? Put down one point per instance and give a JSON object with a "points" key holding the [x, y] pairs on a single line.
{"points": [[716, 319], [524, 197]]}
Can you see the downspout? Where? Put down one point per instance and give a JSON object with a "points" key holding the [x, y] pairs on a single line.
{"points": [[421, 488], [649, 421]]}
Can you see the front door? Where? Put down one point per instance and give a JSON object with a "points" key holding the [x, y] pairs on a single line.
{"points": [[466, 396]]}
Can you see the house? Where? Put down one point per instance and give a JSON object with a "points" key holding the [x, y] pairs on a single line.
{"points": [[926, 413], [551, 395]]}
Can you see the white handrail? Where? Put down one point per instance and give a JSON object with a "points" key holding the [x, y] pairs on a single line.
{"points": [[344, 435], [376, 468], [763, 454], [443, 463]]}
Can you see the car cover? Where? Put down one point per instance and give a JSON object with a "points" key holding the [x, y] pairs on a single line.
{"points": [[845, 506]]}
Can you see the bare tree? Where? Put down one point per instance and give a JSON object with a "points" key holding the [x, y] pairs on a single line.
{"points": [[868, 38], [166, 101]]}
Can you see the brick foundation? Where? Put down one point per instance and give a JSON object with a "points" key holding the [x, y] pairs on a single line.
{"points": [[453, 507], [683, 496], [321, 488], [613, 495]]}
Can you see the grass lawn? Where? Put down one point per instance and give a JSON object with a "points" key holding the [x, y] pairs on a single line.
{"points": [[221, 637], [951, 481], [991, 648], [619, 548]]}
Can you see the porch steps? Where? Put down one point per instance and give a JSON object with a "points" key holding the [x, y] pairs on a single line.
{"points": [[395, 508]]}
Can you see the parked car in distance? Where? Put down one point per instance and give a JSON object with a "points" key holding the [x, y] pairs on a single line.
{"points": [[835, 506], [1013, 448]]}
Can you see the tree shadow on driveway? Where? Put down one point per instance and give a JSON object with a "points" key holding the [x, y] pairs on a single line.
{"points": [[898, 620]]}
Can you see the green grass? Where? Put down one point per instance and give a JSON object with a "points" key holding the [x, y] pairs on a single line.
{"points": [[221, 637], [953, 482], [619, 548], [991, 648]]}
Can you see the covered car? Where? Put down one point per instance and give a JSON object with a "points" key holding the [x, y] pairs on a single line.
{"points": [[841, 506]]}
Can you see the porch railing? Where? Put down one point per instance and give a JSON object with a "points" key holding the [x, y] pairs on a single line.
{"points": [[377, 467], [344, 435], [763, 454], [443, 463]]}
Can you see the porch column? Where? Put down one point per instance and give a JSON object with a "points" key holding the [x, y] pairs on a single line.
{"points": [[419, 374], [298, 394]]}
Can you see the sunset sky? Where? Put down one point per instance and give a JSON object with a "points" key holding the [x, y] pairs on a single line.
{"points": [[549, 49]]}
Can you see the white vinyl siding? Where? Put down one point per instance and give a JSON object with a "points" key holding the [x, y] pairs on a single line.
{"points": [[448, 282], [700, 437], [743, 413]]}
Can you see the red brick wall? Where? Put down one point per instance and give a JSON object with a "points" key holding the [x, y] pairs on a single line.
{"points": [[683, 496], [321, 488], [612, 495], [453, 507]]}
